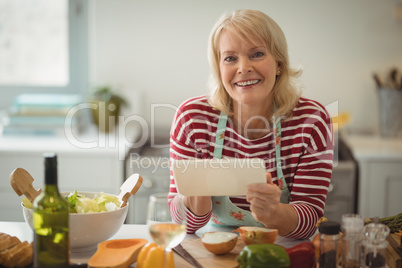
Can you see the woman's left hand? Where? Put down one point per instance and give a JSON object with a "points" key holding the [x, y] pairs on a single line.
{"points": [[264, 200]]}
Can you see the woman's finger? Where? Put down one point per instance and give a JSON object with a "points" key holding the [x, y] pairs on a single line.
{"points": [[269, 177]]}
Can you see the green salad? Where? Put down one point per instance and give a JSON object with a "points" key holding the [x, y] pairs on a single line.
{"points": [[79, 203]]}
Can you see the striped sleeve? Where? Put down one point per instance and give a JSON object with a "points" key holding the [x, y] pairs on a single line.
{"points": [[313, 174]]}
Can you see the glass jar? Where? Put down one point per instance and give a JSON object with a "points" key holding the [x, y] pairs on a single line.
{"points": [[329, 244], [375, 245], [352, 251]]}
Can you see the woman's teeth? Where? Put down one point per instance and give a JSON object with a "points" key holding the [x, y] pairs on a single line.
{"points": [[247, 83]]}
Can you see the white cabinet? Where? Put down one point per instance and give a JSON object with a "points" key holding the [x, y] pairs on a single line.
{"points": [[380, 174], [99, 168]]}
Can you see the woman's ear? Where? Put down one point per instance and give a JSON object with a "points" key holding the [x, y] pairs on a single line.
{"points": [[278, 69]]}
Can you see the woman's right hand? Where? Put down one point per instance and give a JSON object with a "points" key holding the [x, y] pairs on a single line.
{"points": [[199, 205]]}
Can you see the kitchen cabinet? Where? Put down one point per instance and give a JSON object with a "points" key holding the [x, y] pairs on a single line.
{"points": [[380, 174], [92, 162]]}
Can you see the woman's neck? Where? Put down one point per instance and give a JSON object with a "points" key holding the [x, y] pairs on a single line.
{"points": [[252, 122]]}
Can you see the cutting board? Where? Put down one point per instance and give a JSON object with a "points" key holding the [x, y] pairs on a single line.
{"points": [[394, 251], [207, 259]]}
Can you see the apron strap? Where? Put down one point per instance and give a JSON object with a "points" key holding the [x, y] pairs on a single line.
{"points": [[220, 135], [277, 138]]}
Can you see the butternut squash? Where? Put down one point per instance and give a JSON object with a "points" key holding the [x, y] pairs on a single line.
{"points": [[116, 253]]}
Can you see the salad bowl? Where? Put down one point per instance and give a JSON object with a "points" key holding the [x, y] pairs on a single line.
{"points": [[89, 229]]}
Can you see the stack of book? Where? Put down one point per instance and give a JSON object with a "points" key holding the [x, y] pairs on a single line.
{"points": [[44, 114]]}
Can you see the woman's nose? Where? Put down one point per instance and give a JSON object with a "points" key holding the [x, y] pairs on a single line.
{"points": [[244, 66]]}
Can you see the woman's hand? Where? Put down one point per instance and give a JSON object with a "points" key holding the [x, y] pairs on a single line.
{"points": [[266, 208], [264, 199], [199, 205]]}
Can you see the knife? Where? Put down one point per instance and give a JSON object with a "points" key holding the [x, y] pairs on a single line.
{"points": [[187, 256]]}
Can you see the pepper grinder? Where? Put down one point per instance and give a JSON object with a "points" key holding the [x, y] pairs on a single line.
{"points": [[375, 245], [352, 228]]}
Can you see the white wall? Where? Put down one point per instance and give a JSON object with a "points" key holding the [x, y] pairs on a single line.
{"points": [[155, 51]]}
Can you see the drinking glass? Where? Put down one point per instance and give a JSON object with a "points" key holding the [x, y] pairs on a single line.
{"points": [[165, 230]]}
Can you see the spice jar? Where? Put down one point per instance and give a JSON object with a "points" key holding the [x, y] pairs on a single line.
{"points": [[352, 228], [329, 244], [375, 245]]}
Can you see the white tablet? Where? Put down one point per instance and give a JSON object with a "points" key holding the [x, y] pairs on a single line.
{"points": [[217, 177]]}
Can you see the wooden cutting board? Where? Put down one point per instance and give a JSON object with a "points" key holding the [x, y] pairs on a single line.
{"points": [[207, 259], [394, 251]]}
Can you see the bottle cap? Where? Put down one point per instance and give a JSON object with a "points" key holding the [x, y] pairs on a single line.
{"points": [[352, 223], [329, 227], [50, 158]]}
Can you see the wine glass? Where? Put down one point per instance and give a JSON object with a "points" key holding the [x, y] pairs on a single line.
{"points": [[165, 230]]}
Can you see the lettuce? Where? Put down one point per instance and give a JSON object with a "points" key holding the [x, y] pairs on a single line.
{"points": [[26, 202], [102, 203], [72, 199], [81, 204]]}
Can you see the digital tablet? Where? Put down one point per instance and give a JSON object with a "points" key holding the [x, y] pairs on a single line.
{"points": [[217, 177]]}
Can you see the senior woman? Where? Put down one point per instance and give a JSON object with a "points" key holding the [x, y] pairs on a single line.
{"points": [[254, 96]]}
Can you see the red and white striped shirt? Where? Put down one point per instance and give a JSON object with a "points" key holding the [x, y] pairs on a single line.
{"points": [[306, 155]]}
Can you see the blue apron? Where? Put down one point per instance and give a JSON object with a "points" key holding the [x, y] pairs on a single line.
{"points": [[224, 212]]}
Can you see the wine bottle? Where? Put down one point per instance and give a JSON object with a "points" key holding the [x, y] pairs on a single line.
{"points": [[51, 221]]}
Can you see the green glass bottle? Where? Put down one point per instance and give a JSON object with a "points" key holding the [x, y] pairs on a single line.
{"points": [[50, 221]]}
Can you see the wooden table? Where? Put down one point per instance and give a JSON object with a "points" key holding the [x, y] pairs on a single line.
{"points": [[192, 244]]}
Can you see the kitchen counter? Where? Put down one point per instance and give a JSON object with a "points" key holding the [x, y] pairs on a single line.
{"points": [[374, 147], [380, 174], [127, 231]]}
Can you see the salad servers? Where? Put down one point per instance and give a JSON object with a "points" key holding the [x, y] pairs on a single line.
{"points": [[21, 181], [129, 187]]}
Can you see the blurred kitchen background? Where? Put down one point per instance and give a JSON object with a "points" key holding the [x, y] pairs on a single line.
{"points": [[153, 54]]}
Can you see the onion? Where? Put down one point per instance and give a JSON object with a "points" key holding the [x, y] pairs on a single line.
{"points": [[257, 235], [219, 242]]}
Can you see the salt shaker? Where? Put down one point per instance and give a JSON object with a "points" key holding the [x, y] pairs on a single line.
{"points": [[352, 228], [375, 245], [329, 242]]}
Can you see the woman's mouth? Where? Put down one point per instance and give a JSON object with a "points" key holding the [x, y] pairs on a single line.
{"points": [[247, 83]]}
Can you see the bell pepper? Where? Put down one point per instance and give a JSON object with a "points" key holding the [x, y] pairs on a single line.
{"points": [[302, 255], [154, 256], [263, 255]]}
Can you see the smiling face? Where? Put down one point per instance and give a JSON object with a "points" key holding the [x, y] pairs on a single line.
{"points": [[248, 71]]}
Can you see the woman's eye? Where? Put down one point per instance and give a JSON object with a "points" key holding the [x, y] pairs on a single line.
{"points": [[258, 54], [229, 59]]}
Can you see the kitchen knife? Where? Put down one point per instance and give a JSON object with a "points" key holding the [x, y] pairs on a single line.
{"points": [[187, 256]]}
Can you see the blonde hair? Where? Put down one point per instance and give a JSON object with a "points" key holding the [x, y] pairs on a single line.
{"points": [[255, 27]]}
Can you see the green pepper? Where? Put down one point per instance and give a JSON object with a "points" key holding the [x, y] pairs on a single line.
{"points": [[263, 255]]}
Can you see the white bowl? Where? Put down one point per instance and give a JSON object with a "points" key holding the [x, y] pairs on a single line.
{"points": [[88, 230]]}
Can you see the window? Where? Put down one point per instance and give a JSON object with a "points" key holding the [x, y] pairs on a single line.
{"points": [[43, 47]]}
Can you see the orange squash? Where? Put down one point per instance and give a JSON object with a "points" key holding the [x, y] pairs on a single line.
{"points": [[117, 253]]}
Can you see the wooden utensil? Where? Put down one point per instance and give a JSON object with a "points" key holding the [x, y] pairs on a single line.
{"points": [[21, 181], [129, 187]]}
